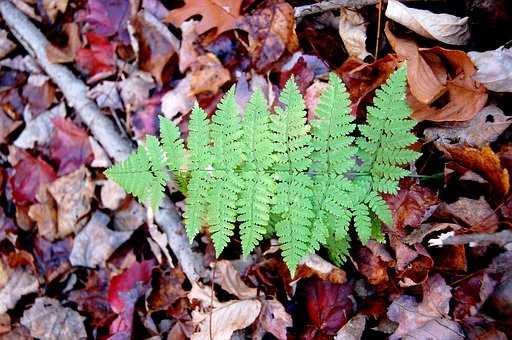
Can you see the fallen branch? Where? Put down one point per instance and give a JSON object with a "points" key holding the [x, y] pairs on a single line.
{"points": [[116, 146], [328, 5], [501, 239]]}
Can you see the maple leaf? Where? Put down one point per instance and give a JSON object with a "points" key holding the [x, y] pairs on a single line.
{"points": [[98, 60], [220, 14]]}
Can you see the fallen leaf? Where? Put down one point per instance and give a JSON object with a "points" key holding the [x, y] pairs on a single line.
{"points": [[219, 14], [481, 130], [135, 89], [362, 79], [300, 72], [129, 216], [315, 266], [440, 83], [52, 257], [145, 121], [484, 162], [112, 195], [95, 243], [329, 306], [179, 99], [29, 175], [124, 291], [372, 267], [411, 206], [73, 195], [446, 28], [273, 319], [425, 229], [494, 69], [229, 279], [156, 47], [106, 95], [427, 319], [167, 289], [48, 320], [6, 45], [475, 214], [109, 17], [271, 35], [413, 263], [69, 146], [100, 159], [39, 92], [352, 29], [39, 130], [98, 60], [93, 299], [207, 74], [65, 54], [20, 282], [5, 323], [226, 318], [53, 7], [471, 294], [44, 214], [353, 329], [7, 126]]}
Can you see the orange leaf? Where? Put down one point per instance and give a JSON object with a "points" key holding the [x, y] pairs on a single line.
{"points": [[220, 14]]}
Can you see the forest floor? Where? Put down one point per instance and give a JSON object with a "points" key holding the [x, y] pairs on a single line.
{"points": [[83, 82]]}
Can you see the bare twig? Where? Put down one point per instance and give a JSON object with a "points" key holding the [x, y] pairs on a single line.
{"points": [[327, 5], [116, 146], [501, 238]]}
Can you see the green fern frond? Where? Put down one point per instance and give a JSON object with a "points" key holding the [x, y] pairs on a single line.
{"points": [[160, 177], [258, 184], [200, 180], [294, 188], [227, 156], [333, 156]]}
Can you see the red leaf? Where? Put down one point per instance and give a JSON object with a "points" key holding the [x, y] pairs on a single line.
{"points": [[124, 291], [29, 174], [98, 59], [70, 146], [329, 307], [109, 17]]}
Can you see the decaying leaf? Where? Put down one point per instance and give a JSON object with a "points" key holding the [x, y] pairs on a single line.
{"points": [[98, 60], [39, 92], [437, 73], [73, 195], [273, 319], [129, 216], [106, 95], [427, 319], [95, 243], [179, 99], [446, 28], [18, 283], [39, 130], [352, 30], [112, 195], [109, 17], [316, 266], [476, 214], [156, 46], [219, 14], [271, 34], [353, 329], [484, 128], [6, 45], [48, 320], [135, 89], [229, 279], [494, 69], [484, 162], [53, 7], [44, 214], [65, 54], [413, 263]]}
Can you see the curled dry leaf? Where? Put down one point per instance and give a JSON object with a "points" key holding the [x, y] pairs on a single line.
{"points": [[95, 243], [372, 266], [413, 263], [157, 46], [73, 195], [271, 34], [484, 128], [39, 130], [273, 319], [484, 162], [229, 279], [437, 73], [316, 266], [219, 14], [65, 54], [19, 282], [494, 69], [428, 319], [446, 28], [48, 320], [476, 214], [352, 29]]}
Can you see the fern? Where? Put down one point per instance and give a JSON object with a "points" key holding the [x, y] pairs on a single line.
{"points": [[273, 173]]}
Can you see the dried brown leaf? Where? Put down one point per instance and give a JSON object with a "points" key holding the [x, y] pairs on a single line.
{"points": [[352, 29], [494, 69]]}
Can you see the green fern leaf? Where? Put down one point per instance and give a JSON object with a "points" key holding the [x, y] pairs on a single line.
{"points": [[258, 184], [227, 156]]}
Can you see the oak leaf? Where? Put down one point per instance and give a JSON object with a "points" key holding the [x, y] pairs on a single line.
{"points": [[219, 14]]}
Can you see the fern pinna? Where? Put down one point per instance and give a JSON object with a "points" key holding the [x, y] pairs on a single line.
{"points": [[276, 173]]}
